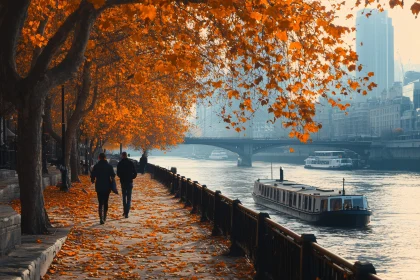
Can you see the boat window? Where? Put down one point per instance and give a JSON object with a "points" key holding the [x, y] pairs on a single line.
{"points": [[259, 187], [324, 205], [294, 199], [271, 192], [278, 195], [284, 196], [358, 203], [336, 204], [310, 203], [347, 204], [305, 203], [300, 201]]}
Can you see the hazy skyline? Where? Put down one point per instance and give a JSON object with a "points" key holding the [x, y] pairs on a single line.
{"points": [[406, 26]]}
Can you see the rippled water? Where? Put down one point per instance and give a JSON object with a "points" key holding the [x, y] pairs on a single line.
{"points": [[391, 241]]}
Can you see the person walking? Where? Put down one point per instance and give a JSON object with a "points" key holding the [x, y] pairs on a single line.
{"points": [[126, 171], [102, 175], [143, 163]]}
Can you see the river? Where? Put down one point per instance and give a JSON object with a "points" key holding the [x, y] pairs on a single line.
{"points": [[391, 242]]}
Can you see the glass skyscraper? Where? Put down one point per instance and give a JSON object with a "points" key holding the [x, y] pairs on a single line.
{"points": [[375, 47]]}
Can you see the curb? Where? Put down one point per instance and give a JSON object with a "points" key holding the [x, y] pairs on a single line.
{"points": [[31, 260]]}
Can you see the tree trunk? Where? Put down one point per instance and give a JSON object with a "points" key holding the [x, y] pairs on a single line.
{"points": [[74, 162], [34, 217]]}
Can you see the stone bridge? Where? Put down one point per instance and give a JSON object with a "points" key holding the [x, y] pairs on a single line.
{"points": [[246, 147]]}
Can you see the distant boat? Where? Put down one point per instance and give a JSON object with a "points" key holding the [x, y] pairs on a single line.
{"points": [[329, 160], [218, 154]]}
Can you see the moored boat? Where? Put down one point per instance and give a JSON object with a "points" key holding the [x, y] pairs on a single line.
{"points": [[329, 160], [321, 206]]}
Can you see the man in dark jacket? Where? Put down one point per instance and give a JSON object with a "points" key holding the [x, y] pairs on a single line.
{"points": [[102, 174], [143, 163], [126, 171]]}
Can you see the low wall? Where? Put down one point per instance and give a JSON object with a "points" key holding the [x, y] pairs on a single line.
{"points": [[10, 233]]}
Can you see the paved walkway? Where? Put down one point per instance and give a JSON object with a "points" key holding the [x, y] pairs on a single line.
{"points": [[160, 240]]}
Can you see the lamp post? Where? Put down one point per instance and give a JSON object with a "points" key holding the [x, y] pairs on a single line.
{"points": [[64, 186]]}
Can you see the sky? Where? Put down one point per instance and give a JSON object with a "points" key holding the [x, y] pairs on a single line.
{"points": [[406, 29]]}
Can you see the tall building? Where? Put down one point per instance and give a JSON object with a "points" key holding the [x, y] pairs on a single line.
{"points": [[375, 47], [412, 91]]}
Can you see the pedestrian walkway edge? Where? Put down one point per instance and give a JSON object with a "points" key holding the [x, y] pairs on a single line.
{"points": [[31, 260]]}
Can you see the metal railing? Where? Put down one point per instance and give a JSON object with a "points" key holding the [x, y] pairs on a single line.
{"points": [[276, 251]]}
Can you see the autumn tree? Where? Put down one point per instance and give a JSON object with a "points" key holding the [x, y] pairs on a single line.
{"points": [[286, 54]]}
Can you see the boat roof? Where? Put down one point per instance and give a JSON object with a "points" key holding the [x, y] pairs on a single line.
{"points": [[329, 151], [292, 186]]}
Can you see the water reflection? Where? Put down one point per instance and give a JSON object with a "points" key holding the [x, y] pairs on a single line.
{"points": [[390, 242]]}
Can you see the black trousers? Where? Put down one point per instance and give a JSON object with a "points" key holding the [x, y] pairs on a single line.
{"points": [[103, 198]]}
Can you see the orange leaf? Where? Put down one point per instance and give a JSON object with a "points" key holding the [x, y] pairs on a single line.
{"points": [[282, 35], [415, 8], [295, 45]]}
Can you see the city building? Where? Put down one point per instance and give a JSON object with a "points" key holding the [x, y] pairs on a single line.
{"points": [[324, 117], [408, 121], [412, 91], [393, 92], [385, 116], [375, 48], [411, 76], [354, 122]]}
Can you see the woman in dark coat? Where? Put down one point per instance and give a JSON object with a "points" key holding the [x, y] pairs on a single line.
{"points": [[102, 175]]}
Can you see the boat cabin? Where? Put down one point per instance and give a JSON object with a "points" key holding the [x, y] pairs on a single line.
{"points": [[307, 198]]}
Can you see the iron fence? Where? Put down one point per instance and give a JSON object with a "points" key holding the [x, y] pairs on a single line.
{"points": [[276, 251]]}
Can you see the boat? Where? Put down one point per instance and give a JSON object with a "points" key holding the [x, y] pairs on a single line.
{"points": [[219, 154], [320, 206], [329, 160]]}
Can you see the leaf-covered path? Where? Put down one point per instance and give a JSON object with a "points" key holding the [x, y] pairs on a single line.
{"points": [[159, 240]]}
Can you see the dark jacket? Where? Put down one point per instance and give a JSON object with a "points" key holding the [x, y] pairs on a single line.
{"points": [[143, 163], [126, 171], [102, 172]]}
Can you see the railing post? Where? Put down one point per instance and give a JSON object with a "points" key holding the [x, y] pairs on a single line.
{"points": [[152, 174], [234, 249], [305, 256], [187, 193], [181, 188], [178, 186], [173, 176], [167, 178], [362, 270], [194, 209], [216, 218], [260, 263], [203, 204]]}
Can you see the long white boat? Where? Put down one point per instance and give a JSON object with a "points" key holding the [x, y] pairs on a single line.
{"points": [[329, 160], [321, 206], [218, 154]]}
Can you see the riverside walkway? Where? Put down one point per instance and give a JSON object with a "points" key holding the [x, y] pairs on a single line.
{"points": [[159, 240]]}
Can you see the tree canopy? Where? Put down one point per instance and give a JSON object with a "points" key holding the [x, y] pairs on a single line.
{"points": [[133, 70]]}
